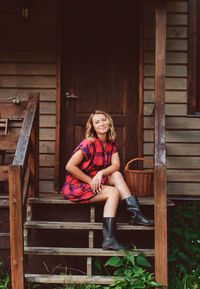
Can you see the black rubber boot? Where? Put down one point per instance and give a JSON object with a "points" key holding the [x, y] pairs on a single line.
{"points": [[109, 240], [136, 216]]}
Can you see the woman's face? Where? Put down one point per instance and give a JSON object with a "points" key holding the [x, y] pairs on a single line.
{"points": [[101, 124]]}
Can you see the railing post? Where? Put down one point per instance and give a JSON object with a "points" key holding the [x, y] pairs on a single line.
{"points": [[16, 227], [160, 182], [34, 153]]}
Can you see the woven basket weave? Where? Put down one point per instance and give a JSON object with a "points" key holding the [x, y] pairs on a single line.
{"points": [[140, 182]]}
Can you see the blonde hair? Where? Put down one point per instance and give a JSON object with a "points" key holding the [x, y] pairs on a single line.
{"points": [[90, 131]]}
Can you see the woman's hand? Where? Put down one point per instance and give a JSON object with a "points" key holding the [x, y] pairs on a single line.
{"points": [[96, 184]]}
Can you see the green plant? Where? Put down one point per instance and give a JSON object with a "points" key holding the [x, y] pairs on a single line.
{"points": [[184, 244], [131, 273], [4, 279]]}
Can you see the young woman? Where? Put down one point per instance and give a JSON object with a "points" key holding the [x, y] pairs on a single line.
{"points": [[93, 176]]}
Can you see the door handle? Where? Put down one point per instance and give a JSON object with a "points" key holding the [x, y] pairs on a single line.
{"points": [[70, 97]]}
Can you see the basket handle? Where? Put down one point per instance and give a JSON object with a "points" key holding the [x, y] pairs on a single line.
{"points": [[138, 159]]}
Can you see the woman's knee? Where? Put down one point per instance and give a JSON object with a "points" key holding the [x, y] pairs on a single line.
{"points": [[113, 193], [115, 177]]}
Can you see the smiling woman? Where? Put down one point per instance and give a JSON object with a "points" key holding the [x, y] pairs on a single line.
{"points": [[93, 176]]}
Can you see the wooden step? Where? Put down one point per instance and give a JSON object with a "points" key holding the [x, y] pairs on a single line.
{"points": [[68, 279], [4, 203], [58, 199], [80, 226], [81, 251]]}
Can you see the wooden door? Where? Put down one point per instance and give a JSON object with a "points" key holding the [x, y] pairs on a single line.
{"points": [[100, 55]]}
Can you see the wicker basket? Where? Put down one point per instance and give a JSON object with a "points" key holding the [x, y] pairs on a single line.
{"points": [[140, 182]]}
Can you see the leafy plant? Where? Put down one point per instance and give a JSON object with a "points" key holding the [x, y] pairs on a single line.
{"points": [[4, 279], [131, 273], [184, 244]]}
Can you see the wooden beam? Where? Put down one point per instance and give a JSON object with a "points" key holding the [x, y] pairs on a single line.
{"points": [[160, 186], [16, 227], [141, 85], [58, 98]]}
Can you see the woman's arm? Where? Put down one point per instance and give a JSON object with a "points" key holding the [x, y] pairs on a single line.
{"points": [[72, 167], [115, 166]]}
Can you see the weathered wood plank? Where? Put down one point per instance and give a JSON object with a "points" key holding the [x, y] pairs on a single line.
{"points": [[172, 44], [192, 189], [170, 96], [187, 136], [81, 251], [4, 241], [28, 31], [177, 6], [45, 94], [18, 56], [47, 147], [28, 81], [10, 110], [4, 203], [46, 160], [170, 109], [160, 192], [8, 142], [80, 226], [172, 32], [171, 83], [47, 120], [175, 149], [47, 134], [179, 57], [171, 70], [183, 162], [172, 19], [71, 279], [46, 173], [3, 173], [183, 176], [48, 108], [27, 69], [16, 227], [46, 186], [175, 123]]}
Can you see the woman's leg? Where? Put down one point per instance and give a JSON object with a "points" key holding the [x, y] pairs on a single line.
{"points": [[109, 195], [136, 216], [117, 180]]}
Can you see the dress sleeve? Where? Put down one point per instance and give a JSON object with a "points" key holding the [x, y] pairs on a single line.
{"points": [[86, 147], [115, 147]]}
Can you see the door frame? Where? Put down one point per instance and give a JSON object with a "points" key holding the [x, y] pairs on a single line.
{"points": [[58, 90]]}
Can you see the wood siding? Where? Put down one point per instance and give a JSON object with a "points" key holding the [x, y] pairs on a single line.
{"points": [[182, 135], [28, 55], [28, 64]]}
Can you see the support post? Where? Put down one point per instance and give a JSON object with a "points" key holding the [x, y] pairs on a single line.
{"points": [[16, 227], [160, 183]]}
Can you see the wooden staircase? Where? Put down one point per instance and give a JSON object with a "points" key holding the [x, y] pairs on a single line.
{"points": [[91, 226]]}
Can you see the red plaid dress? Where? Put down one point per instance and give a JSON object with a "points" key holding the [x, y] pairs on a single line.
{"points": [[96, 158]]}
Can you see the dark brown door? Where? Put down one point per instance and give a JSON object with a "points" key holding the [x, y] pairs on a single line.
{"points": [[99, 71]]}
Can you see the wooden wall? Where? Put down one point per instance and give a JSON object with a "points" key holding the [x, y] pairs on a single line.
{"points": [[28, 64], [183, 132]]}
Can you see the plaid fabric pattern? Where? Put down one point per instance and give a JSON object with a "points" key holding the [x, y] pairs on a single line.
{"points": [[96, 158]]}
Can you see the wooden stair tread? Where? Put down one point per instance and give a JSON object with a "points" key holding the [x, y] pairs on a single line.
{"points": [[81, 251], [64, 279], [79, 226], [58, 199]]}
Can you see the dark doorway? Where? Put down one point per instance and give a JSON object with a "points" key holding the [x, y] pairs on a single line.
{"points": [[100, 55]]}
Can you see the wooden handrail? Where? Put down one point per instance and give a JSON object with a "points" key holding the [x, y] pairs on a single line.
{"points": [[23, 182]]}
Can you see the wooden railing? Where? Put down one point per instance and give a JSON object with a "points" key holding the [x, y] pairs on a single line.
{"points": [[160, 171], [23, 183]]}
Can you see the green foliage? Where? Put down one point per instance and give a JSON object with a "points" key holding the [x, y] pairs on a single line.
{"points": [[184, 244], [4, 279], [131, 273]]}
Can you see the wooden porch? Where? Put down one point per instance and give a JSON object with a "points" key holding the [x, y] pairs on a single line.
{"points": [[24, 191]]}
